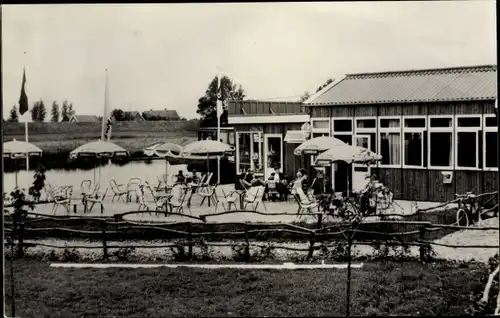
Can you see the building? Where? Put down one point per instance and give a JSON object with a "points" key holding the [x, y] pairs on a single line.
{"points": [[435, 128], [84, 119], [164, 114], [266, 134], [133, 116]]}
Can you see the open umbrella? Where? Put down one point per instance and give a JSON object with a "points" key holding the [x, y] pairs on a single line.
{"points": [[98, 149], [166, 150], [207, 148], [347, 153], [317, 145], [20, 149]]}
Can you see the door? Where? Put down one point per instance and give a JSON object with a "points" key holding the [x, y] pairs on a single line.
{"points": [[361, 172], [273, 153]]}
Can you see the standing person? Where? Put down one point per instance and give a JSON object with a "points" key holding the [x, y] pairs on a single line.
{"points": [[300, 185]]}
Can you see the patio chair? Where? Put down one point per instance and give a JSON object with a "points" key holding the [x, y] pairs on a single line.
{"points": [[272, 189], [254, 198], [132, 186], [305, 205], [118, 191], [52, 191], [158, 205], [225, 199], [208, 194], [63, 198], [205, 184], [154, 193], [86, 187], [176, 202], [95, 199]]}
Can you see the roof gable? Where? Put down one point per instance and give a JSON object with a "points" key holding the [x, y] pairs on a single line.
{"points": [[85, 118], [430, 85]]}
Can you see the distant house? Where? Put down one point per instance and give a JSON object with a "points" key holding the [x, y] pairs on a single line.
{"points": [[133, 116], [84, 119], [152, 115]]}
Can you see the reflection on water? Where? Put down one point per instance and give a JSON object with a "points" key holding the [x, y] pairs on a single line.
{"points": [[122, 173]]}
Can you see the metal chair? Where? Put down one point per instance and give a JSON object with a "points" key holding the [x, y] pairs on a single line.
{"points": [[117, 190]]}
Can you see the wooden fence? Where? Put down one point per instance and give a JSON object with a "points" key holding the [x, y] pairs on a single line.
{"points": [[247, 234]]}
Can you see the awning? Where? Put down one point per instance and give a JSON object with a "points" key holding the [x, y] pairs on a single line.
{"points": [[296, 136]]}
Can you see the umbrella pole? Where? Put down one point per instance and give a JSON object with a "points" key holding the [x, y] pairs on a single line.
{"points": [[15, 167]]}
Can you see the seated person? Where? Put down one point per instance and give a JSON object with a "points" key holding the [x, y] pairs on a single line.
{"points": [[271, 177], [195, 179], [250, 181], [181, 179]]}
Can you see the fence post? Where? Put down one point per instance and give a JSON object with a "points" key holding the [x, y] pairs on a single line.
{"points": [[104, 242], [311, 245], [247, 247], [190, 239], [320, 219], [421, 237], [20, 238]]}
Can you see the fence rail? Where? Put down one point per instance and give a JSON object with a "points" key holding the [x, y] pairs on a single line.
{"points": [[196, 232]]}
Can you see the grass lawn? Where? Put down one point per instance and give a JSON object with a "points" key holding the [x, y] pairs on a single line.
{"points": [[377, 289]]}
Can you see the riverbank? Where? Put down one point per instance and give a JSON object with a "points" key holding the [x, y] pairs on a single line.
{"points": [[379, 288]]}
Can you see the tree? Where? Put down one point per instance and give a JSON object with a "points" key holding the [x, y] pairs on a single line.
{"points": [[34, 111], [13, 117], [118, 114], [38, 111], [229, 91], [55, 112], [305, 97], [65, 116], [328, 81], [71, 111]]}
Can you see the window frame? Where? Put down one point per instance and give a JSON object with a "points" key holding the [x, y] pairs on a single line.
{"points": [[321, 130], [382, 130], [477, 131], [450, 130], [487, 129], [237, 148], [342, 132], [420, 130]]}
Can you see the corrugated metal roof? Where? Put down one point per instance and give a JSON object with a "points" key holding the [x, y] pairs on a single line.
{"points": [[430, 85]]}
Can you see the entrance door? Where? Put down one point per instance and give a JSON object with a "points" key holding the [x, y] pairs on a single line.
{"points": [[273, 153], [361, 172]]}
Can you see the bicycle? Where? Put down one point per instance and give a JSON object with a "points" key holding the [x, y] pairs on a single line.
{"points": [[469, 210]]}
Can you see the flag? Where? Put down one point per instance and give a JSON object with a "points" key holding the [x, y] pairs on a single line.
{"points": [[219, 102], [23, 99]]}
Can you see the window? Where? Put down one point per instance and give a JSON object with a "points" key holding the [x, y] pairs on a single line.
{"points": [[414, 140], [440, 146], [468, 139], [249, 152], [320, 127], [342, 129], [367, 127], [490, 135], [390, 141]]}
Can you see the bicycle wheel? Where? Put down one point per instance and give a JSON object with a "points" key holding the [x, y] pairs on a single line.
{"points": [[462, 218]]}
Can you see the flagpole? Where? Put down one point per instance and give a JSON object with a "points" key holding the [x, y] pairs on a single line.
{"points": [[26, 128], [103, 124], [219, 88]]}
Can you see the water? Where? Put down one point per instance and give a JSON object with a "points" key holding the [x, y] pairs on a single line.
{"points": [[147, 171]]}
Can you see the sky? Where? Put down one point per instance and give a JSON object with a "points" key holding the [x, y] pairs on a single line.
{"points": [[164, 55]]}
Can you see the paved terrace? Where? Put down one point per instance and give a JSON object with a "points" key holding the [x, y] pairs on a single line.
{"points": [[110, 209]]}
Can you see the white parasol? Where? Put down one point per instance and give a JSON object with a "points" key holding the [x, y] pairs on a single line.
{"points": [[206, 148], [98, 149], [317, 145], [347, 153], [20, 149]]}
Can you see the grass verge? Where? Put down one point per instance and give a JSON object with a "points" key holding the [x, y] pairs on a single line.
{"points": [[385, 288]]}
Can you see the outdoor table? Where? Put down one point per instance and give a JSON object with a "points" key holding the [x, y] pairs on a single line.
{"points": [[240, 194]]}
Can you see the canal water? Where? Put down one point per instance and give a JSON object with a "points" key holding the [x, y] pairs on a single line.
{"points": [[122, 173]]}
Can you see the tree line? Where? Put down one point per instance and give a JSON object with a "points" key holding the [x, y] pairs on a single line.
{"points": [[39, 112]]}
